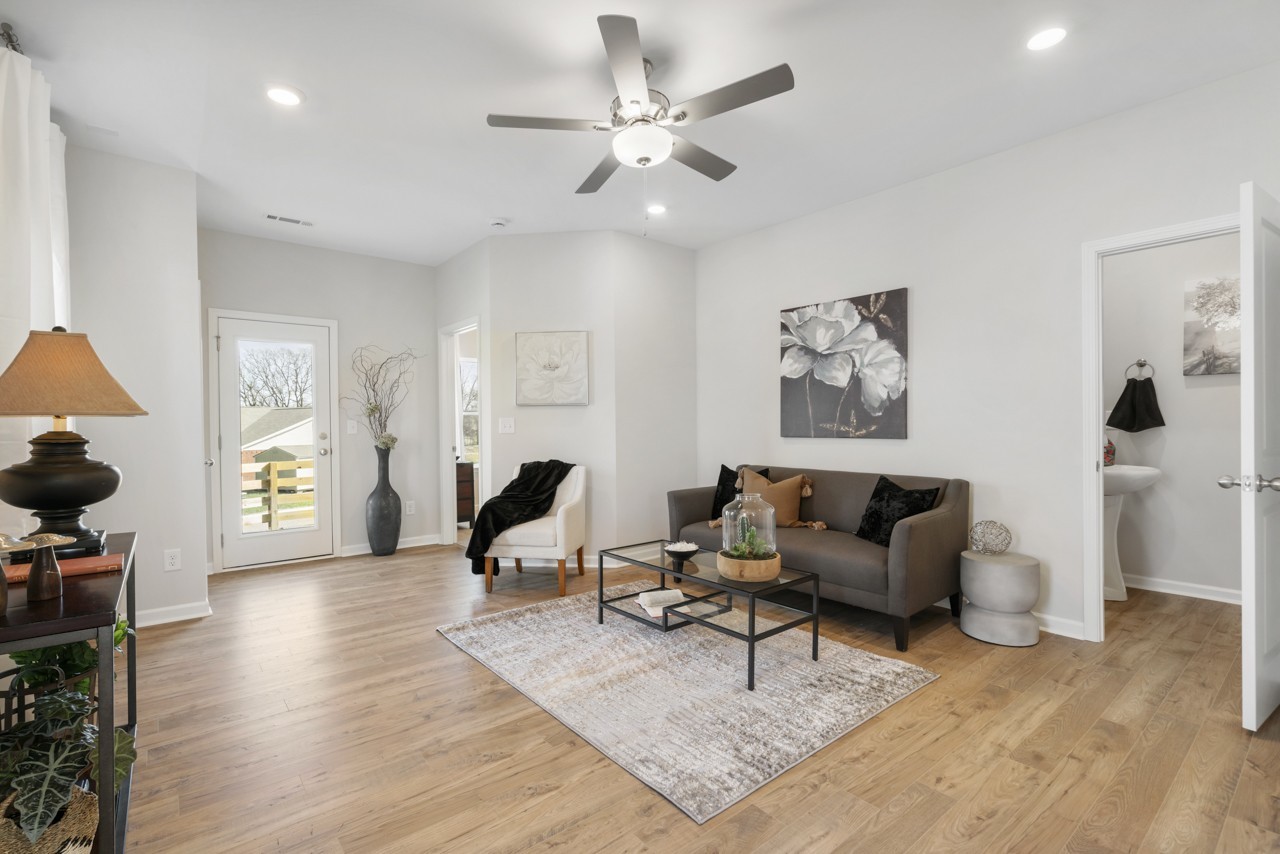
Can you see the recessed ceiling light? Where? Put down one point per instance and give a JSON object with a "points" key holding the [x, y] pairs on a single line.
{"points": [[286, 95], [1047, 38], [657, 209]]}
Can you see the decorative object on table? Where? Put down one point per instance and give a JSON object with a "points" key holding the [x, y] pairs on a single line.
{"points": [[624, 685], [69, 567], [889, 505], [1137, 408], [45, 756], [382, 382], [1211, 327], [655, 600], [8, 545], [1001, 589], [681, 551], [44, 581], [58, 374], [990, 538], [552, 369], [750, 544], [844, 368]]}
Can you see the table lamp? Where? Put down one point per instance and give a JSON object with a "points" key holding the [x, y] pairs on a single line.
{"points": [[58, 374]]}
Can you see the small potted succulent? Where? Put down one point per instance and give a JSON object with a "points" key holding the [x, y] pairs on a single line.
{"points": [[750, 550]]}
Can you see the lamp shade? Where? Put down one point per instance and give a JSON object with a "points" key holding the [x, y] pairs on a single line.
{"points": [[58, 373], [642, 145]]}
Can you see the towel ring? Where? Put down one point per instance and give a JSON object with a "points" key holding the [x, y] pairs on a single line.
{"points": [[1140, 364]]}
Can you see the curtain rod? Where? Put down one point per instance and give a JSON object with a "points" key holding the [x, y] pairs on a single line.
{"points": [[10, 38]]}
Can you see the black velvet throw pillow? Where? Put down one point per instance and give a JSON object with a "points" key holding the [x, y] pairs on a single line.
{"points": [[726, 490], [889, 505]]}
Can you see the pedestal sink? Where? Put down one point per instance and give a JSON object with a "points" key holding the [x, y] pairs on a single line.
{"points": [[1117, 482]]}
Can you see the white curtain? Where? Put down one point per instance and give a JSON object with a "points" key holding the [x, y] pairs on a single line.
{"points": [[34, 255]]}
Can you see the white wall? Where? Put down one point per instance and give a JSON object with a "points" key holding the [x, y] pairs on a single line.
{"points": [[135, 292], [634, 298], [1183, 530], [375, 301], [656, 406], [991, 252]]}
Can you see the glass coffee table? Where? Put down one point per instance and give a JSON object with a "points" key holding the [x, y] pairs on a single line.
{"points": [[702, 569]]}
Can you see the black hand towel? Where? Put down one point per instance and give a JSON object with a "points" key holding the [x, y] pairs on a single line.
{"points": [[527, 497], [1137, 408]]}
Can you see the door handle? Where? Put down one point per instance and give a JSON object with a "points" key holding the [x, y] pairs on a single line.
{"points": [[324, 452], [1258, 483]]}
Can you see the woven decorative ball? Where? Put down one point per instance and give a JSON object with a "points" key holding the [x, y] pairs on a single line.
{"points": [[990, 538]]}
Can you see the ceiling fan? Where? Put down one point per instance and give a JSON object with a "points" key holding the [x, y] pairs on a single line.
{"points": [[641, 118]]}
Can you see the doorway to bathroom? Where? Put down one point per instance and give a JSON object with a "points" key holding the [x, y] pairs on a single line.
{"points": [[462, 429], [1171, 353]]}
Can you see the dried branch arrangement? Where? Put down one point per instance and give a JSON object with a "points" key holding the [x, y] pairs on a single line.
{"points": [[383, 382]]}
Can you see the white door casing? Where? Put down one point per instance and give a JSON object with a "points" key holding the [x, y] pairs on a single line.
{"points": [[1259, 453], [301, 522]]}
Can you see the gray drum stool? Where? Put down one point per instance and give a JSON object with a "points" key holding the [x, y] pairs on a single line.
{"points": [[1001, 589]]}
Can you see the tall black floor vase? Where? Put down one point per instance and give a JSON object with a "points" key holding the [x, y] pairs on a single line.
{"points": [[382, 510]]}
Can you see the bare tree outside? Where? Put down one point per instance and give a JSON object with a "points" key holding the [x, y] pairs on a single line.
{"points": [[275, 375]]}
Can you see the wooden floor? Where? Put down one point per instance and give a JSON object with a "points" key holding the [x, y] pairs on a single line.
{"points": [[318, 710]]}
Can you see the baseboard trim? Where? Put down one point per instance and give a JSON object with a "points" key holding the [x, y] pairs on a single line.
{"points": [[174, 614], [1061, 626], [1183, 588], [406, 543]]}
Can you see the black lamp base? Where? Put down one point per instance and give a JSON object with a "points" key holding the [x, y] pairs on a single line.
{"points": [[58, 482]]}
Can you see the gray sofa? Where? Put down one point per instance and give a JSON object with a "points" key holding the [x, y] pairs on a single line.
{"points": [[921, 565]]}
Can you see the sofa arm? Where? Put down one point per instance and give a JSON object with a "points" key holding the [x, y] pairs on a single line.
{"points": [[924, 553], [689, 505]]}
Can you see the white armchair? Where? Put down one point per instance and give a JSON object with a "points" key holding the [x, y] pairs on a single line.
{"points": [[558, 534]]}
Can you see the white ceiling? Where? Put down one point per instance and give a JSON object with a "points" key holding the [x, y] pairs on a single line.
{"points": [[390, 154]]}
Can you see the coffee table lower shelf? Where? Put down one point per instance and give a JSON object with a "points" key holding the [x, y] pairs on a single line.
{"points": [[720, 600]]}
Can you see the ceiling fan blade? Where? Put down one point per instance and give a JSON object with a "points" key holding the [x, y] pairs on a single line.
{"points": [[622, 45], [539, 123], [757, 87], [600, 174], [699, 159]]}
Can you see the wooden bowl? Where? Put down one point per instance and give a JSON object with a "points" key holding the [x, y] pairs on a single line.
{"points": [[748, 570]]}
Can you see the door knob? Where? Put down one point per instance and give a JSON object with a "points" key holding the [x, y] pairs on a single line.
{"points": [[1227, 481], [324, 452], [1263, 483]]}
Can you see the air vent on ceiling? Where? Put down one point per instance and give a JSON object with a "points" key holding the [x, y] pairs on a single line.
{"points": [[288, 219]]}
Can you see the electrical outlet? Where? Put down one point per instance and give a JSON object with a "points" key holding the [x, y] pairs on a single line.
{"points": [[172, 560], [352, 427], [506, 425], [410, 507]]}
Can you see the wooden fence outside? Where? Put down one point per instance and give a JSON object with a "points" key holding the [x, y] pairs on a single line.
{"points": [[290, 478]]}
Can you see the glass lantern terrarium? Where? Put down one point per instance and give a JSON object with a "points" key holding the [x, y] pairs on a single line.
{"points": [[750, 551]]}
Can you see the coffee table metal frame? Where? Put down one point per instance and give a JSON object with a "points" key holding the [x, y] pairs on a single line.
{"points": [[704, 572]]}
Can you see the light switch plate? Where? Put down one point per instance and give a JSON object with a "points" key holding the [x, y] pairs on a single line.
{"points": [[351, 426], [506, 425]]}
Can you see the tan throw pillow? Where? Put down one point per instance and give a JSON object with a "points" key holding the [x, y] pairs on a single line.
{"points": [[783, 495]]}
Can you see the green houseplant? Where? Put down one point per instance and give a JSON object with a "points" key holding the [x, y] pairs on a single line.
{"points": [[749, 550], [42, 758]]}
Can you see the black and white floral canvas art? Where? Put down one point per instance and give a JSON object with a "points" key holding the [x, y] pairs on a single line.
{"points": [[1211, 327], [844, 368], [551, 369]]}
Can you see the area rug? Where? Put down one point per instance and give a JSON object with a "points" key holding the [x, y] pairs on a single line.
{"points": [[673, 709]]}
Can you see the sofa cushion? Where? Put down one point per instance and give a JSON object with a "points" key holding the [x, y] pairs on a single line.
{"points": [[539, 532], [727, 488], [889, 505], [836, 556], [840, 497], [784, 495]]}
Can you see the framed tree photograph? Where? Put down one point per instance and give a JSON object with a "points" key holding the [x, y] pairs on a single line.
{"points": [[844, 368]]}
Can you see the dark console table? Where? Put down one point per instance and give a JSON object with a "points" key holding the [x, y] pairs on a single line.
{"points": [[87, 611]]}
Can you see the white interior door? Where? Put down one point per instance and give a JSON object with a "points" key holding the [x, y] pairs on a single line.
{"points": [[1260, 452], [275, 452]]}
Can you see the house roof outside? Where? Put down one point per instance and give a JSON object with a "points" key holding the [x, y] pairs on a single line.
{"points": [[258, 423]]}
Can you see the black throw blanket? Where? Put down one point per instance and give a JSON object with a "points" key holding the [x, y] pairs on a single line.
{"points": [[527, 497], [1137, 409]]}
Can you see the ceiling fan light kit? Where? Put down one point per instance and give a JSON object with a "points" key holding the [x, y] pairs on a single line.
{"points": [[641, 118], [642, 145]]}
